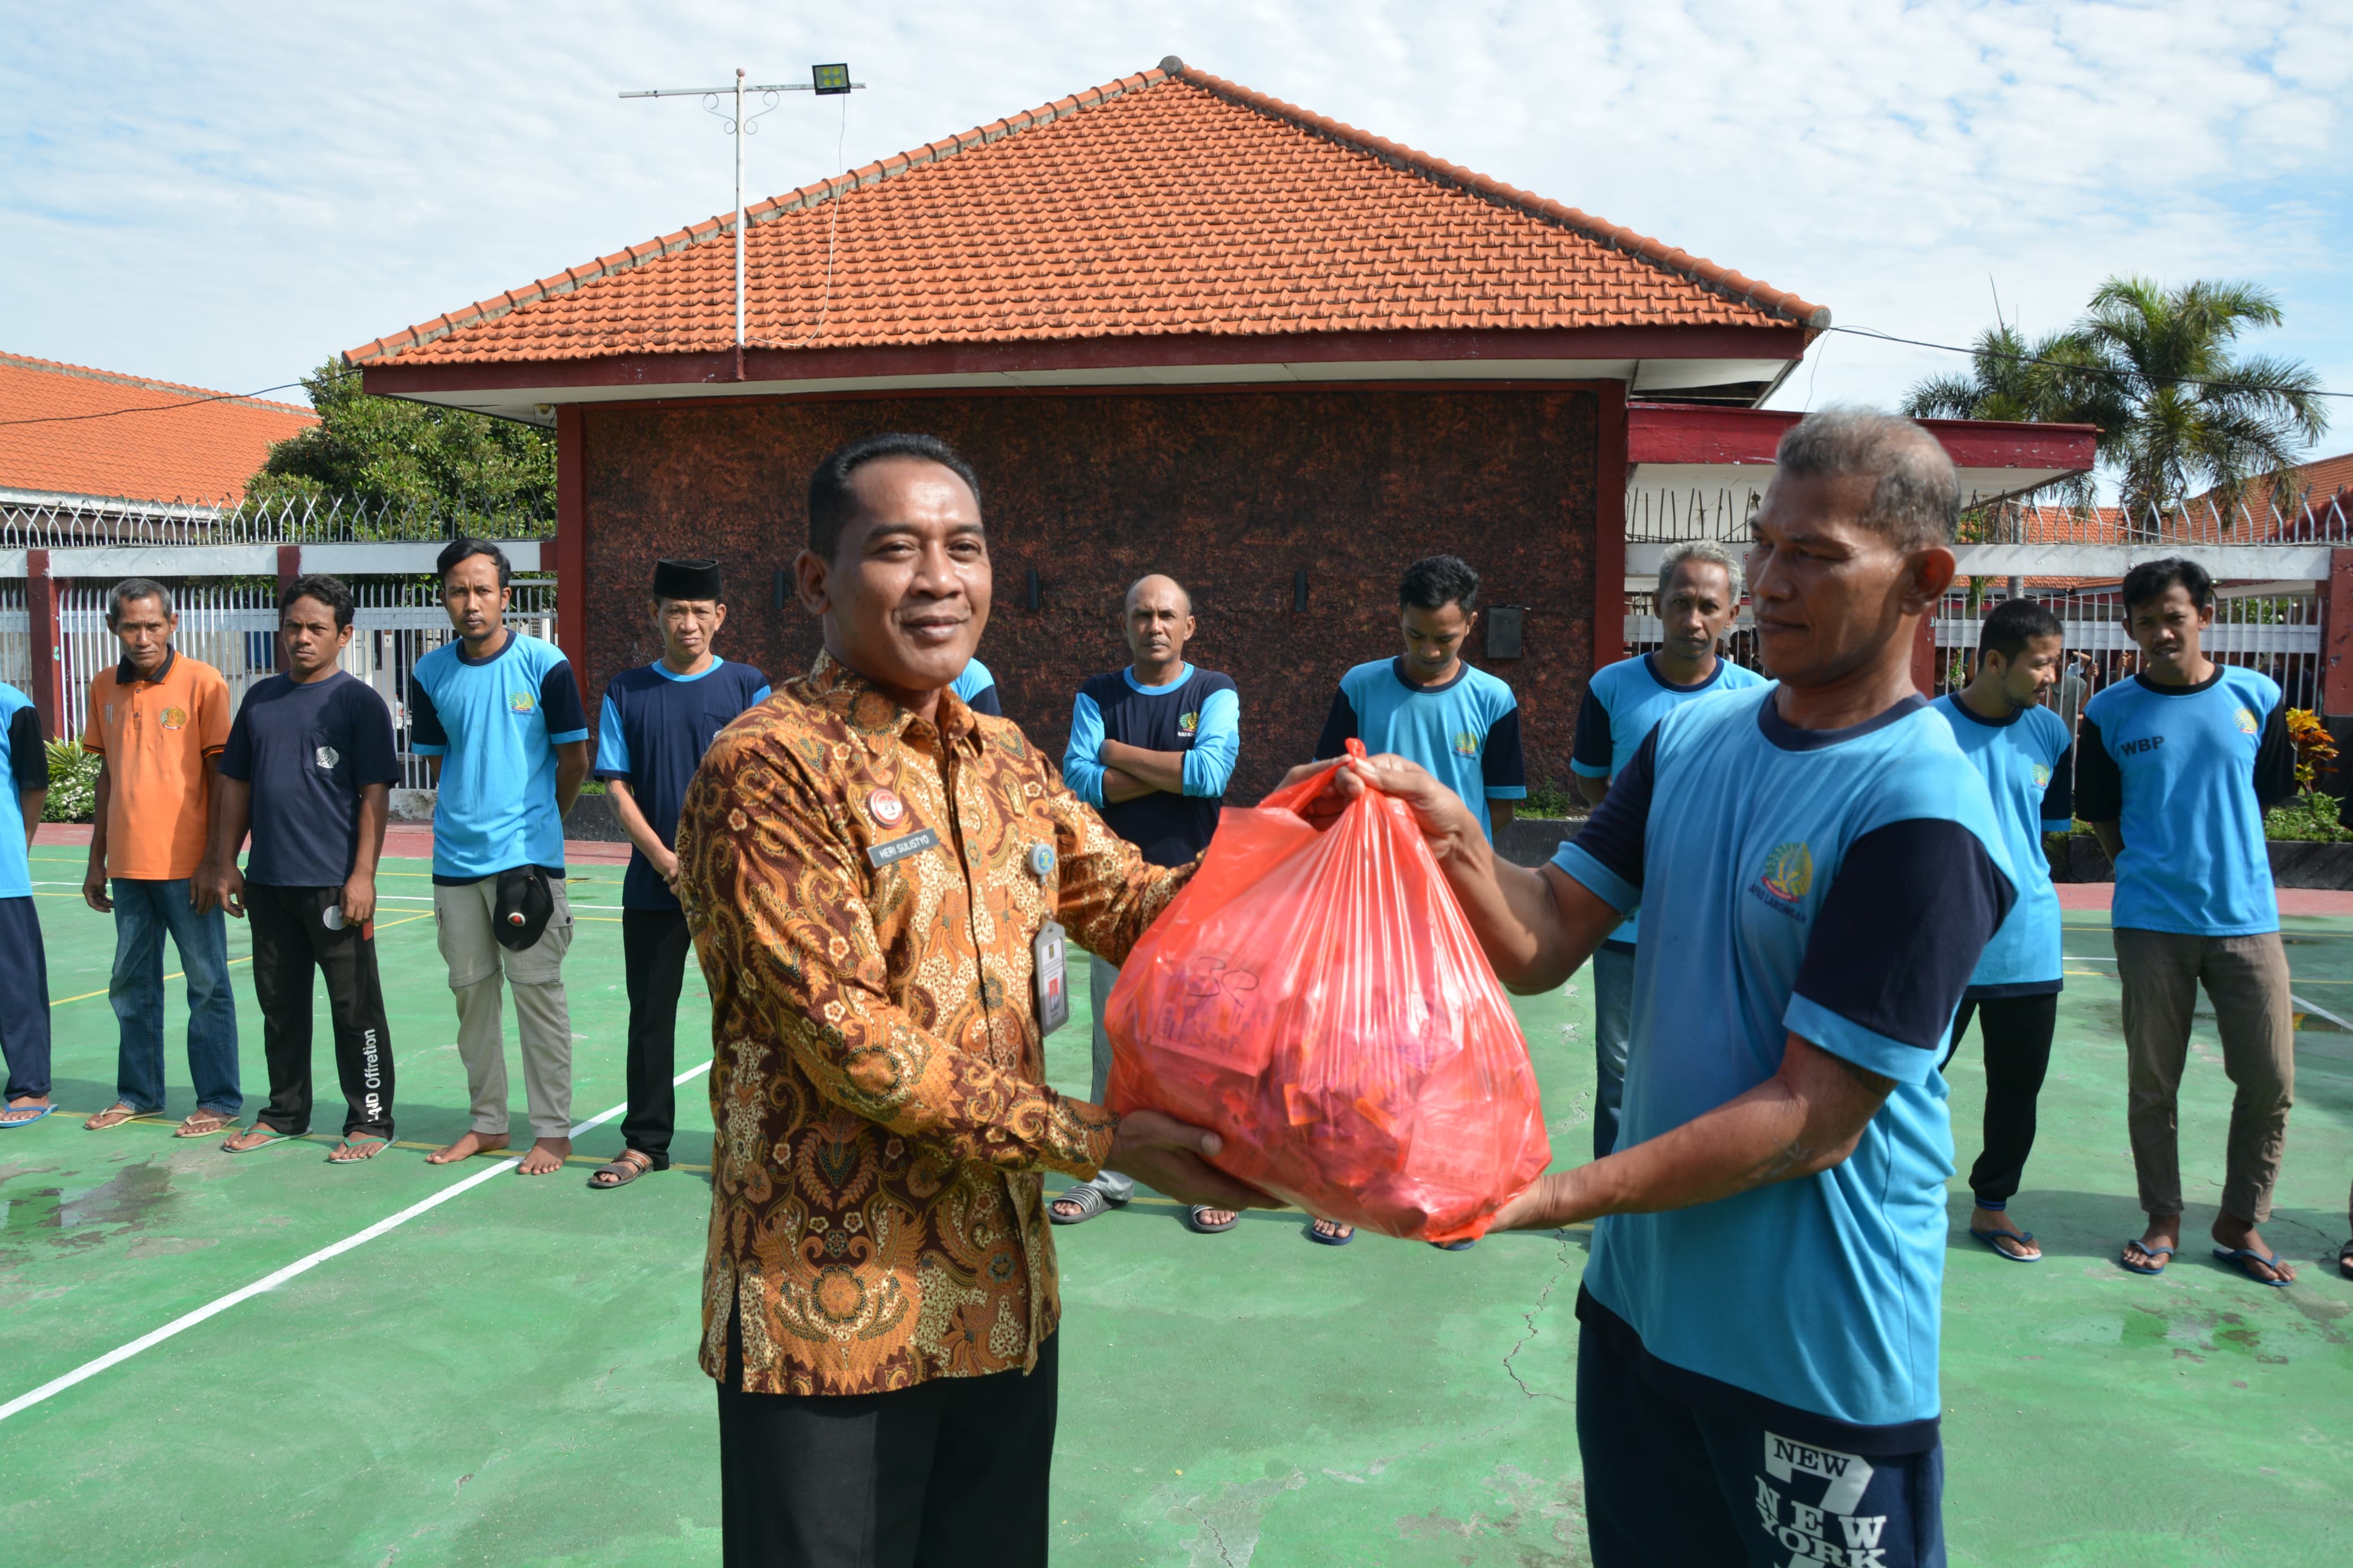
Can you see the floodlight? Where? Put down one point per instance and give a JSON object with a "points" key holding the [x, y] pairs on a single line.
{"points": [[828, 81]]}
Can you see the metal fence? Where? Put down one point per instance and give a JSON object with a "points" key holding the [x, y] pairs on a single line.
{"points": [[1727, 516], [16, 637], [316, 519], [233, 627]]}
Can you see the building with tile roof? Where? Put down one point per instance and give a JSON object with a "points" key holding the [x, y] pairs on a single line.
{"points": [[104, 442], [1177, 326]]}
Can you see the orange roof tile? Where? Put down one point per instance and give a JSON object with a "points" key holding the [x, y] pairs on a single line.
{"points": [[177, 448], [1166, 203], [2316, 480]]}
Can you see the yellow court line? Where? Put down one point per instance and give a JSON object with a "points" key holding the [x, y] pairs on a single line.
{"points": [[183, 974]]}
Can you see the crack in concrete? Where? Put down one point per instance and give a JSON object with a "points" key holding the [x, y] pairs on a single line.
{"points": [[1530, 1317]]}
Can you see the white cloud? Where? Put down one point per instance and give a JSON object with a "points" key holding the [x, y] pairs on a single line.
{"points": [[227, 194]]}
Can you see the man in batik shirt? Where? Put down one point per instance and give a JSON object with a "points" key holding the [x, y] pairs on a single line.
{"points": [[873, 875]]}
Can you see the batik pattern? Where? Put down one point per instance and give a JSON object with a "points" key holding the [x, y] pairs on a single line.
{"points": [[881, 1121]]}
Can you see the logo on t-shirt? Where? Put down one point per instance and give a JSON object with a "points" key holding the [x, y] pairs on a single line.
{"points": [[176, 718], [328, 756], [2042, 775], [1187, 723], [1466, 744], [1788, 873], [2247, 725], [520, 701]]}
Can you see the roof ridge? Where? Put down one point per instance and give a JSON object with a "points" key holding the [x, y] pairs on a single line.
{"points": [[754, 213], [1717, 279], [148, 384]]}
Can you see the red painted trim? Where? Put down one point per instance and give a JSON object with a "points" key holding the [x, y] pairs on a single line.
{"points": [[1609, 529], [1234, 389], [1110, 353], [46, 629], [1687, 433], [572, 546], [2336, 636]]}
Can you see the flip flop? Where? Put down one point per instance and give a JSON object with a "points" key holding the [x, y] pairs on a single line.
{"points": [[274, 1137], [1466, 1245], [349, 1143], [1992, 1239], [2345, 1260], [1199, 1226], [1091, 1201], [113, 1116], [39, 1112], [2239, 1257], [1321, 1239], [204, 1124], [2165, 1252]]}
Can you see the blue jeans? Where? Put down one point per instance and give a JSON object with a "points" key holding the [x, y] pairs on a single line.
{"points": [[1613, 1030], [143, 911]]}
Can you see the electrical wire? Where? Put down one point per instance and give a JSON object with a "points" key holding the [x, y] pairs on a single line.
{"points": [[2062, 364], [832, 223], [152, 408]]}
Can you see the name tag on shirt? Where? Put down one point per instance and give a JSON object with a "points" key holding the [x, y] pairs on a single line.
{"points": [[1047, 986], [891, 851]]}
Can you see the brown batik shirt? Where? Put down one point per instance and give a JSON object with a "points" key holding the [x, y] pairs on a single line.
{"points": [[881, 1121]]}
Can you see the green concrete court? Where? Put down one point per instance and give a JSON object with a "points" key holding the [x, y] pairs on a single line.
{"points": [[508, 1379]]}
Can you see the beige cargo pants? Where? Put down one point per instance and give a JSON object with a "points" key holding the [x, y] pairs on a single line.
{"points": [[463, 918]]}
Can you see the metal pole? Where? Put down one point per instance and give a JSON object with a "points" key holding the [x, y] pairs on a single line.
{"points": [[739, 223]]}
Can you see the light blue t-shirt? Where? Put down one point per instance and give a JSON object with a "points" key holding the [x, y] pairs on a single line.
{"points": [[1838, 885], [1624, 703], [2186, 773], [976, 689], [1466, 732], [495, 724], [2023, 760], [23, 765]]}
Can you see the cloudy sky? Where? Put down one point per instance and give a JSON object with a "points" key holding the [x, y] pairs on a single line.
{"points": [[226, 194]]}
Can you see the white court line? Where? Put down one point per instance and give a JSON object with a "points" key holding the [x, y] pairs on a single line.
{"points": [[90, 1369]]}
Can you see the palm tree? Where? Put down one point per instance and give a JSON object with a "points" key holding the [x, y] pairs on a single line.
{"points": [[2054, 379], [2196, 411]]}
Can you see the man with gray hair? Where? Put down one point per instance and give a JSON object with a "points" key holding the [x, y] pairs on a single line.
{"points": [[158, 721], [1757, 1370], [1698, 597], [1151, 748]]}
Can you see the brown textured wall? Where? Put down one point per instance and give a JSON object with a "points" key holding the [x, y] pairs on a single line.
{"points": [[1228, 492]]}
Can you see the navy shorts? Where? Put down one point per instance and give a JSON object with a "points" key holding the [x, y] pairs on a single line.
{"points": [[1668, 1481]]}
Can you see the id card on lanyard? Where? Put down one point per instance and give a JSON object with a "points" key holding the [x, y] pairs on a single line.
{"points": [[1048, 990]]}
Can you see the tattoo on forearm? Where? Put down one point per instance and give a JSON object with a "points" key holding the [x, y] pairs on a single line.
{"points": [[1777, 1165]]}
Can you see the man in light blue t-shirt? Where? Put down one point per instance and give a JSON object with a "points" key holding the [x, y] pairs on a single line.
{"points": [[1757, 1372], [1698, 598], [976, 689], [499, 715], [2173, 770], [2021, 749], [23, 962]]}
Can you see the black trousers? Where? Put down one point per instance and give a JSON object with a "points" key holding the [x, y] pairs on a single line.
{"points": [[654, 945], [952, 1473], [290, 939], [2017, 1032]]}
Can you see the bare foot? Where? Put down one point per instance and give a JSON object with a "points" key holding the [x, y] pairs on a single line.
{"points": [[467, 1145], [546, 1156], [1997, 1222], [2238, 1235], [2164, 1230]]}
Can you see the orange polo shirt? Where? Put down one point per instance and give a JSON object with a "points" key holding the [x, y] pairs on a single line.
{"points": [[156, 735]]}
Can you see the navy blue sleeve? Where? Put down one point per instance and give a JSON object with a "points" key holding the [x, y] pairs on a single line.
{"points": [[374, 760], [1913, 906], [236, 757], [1590, 756], [2274, 760], [1613, 835], [426, 735], [1500, 767], [29, 754], [2099, 787], [559, 703], [985, 702], [2059, 799], [1339, 727]]}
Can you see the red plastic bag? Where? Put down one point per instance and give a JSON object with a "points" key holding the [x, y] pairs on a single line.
{"points": [[1319, 1000]]}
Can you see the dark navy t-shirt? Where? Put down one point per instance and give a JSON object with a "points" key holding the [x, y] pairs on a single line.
{"points": [[308, 750], [651, 734], [1199, 714]]}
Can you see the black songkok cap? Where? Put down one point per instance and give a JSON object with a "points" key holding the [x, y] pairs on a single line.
{"points": [[686, 579]]}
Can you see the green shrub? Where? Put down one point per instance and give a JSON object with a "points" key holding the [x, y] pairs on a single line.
{"points": [[1548, 799], [2309, 819], [73, 783]]}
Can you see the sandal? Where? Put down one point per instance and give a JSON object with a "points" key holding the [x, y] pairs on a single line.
{"points": [[359, 1155], [1199, 1226], [23, 1115], [1994, 1239], [204, 1124], [114, 1115], [2244, 1259], [623, 1168], [1092, 1200], [2164, 1255], [2345, 1260], [1331, 1240], [231, 1146]]}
